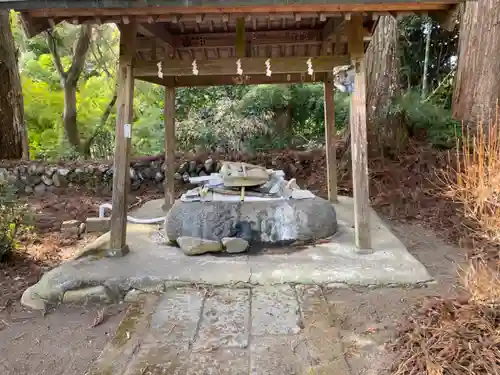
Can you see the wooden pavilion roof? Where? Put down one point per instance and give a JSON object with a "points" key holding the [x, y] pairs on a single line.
{"points": [[215, 34]]}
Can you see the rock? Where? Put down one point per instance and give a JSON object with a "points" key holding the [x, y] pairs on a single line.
{"points": [[31, 300], [49, 171], [234, 245], [11, 178], [133, 174], [183, 168], [202, 173], [63, 171], [19, 185], [159, 177], [47, 180], [40, 169], [197, 246], [209, 165], [185, 177], [88, 295], [192, 167], [177, 176], [103, 168], [40, 189], [149, 173], [28, 189], [30, 180], [32, 168], [98, 224], [272, 222], [59, 180]]}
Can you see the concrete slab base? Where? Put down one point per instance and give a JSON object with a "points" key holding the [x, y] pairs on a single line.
{"points": [[153, 265]]}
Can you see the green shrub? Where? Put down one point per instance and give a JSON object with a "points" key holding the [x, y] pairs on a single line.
{"points": [[440, 128], [13, 218]]}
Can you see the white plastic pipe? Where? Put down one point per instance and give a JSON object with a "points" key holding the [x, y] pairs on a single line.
{"points": [[134, 220]]}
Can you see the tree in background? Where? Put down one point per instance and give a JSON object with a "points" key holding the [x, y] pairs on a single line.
{"points": [[69, 79], [477, 87], [386, 131], [427, 51], [13, 138]]}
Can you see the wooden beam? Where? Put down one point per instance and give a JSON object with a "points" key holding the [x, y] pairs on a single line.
{"points": [[88, 10], [359, 137], [121, 176], [208, 40], [251, 65], [331, 138], [202, 81], [169, 121], [158, 31], [258, 38]]}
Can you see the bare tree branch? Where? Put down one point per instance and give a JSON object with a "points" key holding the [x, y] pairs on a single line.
{"points": [[51, 41], [100, 59]]}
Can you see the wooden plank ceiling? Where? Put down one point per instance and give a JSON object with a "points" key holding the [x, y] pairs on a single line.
{"points": [[195, 42]]}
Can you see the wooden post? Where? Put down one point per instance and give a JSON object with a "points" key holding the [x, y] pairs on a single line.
{"points": [[359, 136], [121, 176], [169, 120], [330, 136]]}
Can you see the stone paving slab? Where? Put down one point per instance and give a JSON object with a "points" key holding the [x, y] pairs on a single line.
{"points": [[275, 311], [221, 331], [279, 355], [225, 320]]}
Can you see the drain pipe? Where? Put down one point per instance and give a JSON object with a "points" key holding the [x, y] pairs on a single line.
{"points": [[133, 220]]}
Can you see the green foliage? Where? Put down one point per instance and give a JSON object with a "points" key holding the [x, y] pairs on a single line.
{"points": [[440, 128], [13, 218], [443, 52]]}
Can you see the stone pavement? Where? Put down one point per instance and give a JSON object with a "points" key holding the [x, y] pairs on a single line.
{"points": [[278, 330]]}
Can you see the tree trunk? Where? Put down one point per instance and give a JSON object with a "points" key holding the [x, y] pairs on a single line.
{"points": [[69, 116], [13, 141], [428, 28], [477, 84], [386, 134], [69, 81]]}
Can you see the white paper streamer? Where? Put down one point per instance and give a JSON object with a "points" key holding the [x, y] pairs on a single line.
{"points": [[268, 68]]}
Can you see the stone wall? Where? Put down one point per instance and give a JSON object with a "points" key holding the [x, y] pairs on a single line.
{"points": [[40, 177]]}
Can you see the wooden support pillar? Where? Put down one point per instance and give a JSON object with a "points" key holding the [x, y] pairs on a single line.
{"points": [[169, 120], [121, 176], [359, 136], [331, 139]]}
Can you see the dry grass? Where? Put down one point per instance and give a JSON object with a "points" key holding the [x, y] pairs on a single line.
{"points": [[462, 336], [454, 336], [476, 181]]}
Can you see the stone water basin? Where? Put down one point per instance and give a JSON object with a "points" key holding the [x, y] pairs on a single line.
{"points": [[270, 222]]}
